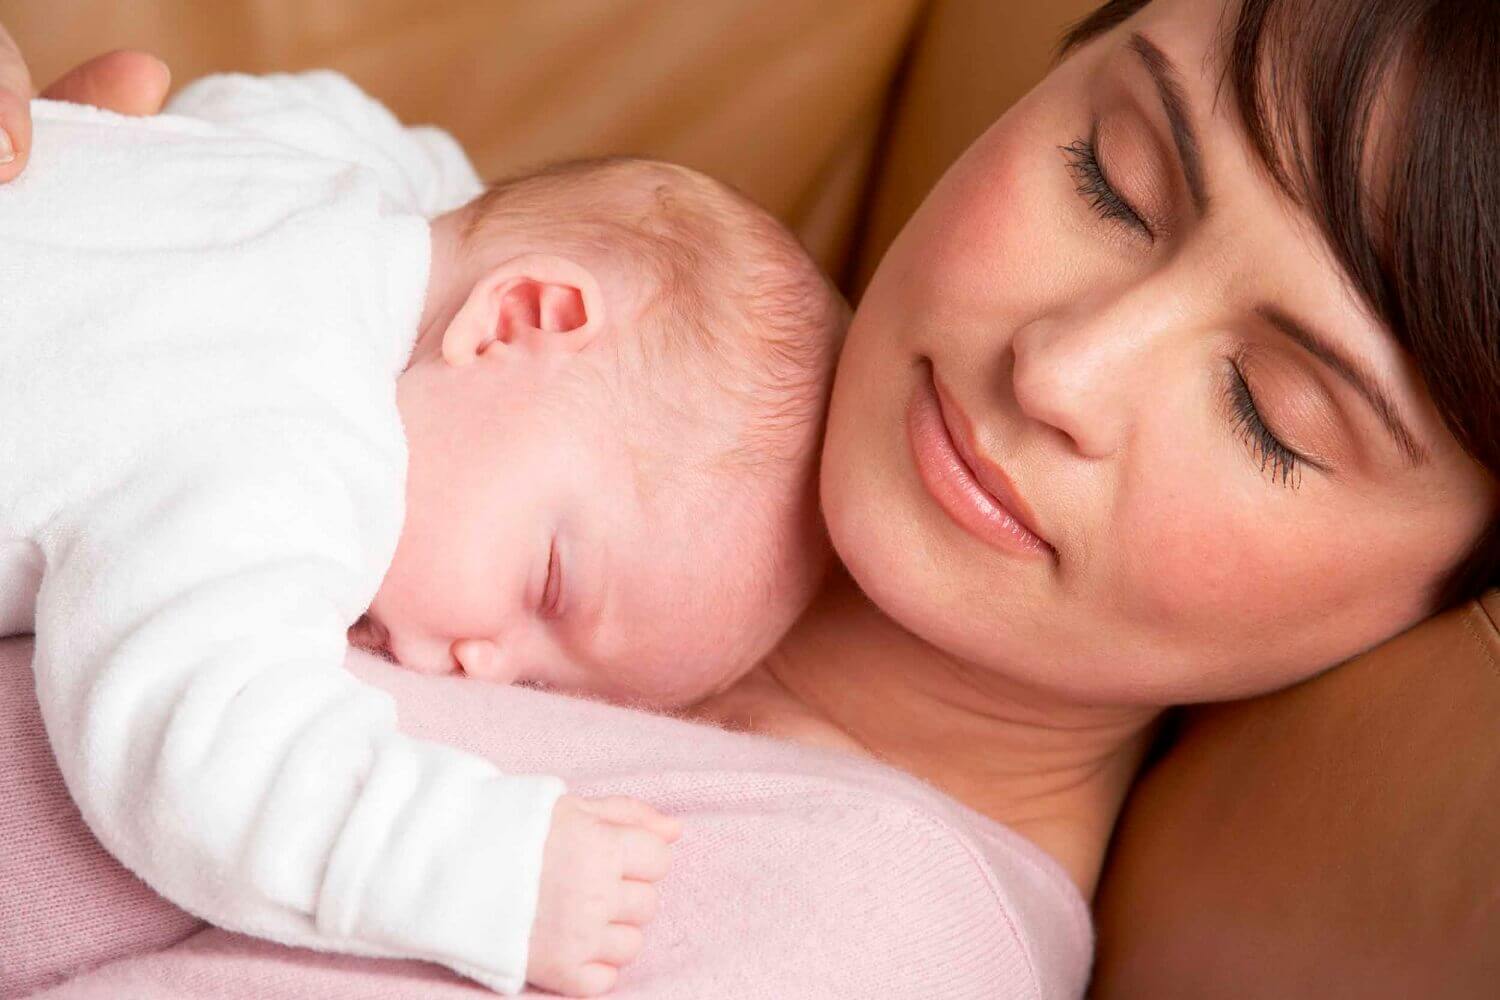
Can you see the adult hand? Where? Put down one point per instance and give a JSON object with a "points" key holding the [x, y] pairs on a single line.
{"points": [[131, 83]]}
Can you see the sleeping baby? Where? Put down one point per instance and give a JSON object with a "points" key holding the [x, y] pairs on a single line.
{"points": [[275, 365]]}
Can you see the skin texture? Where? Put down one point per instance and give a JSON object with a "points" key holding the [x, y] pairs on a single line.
{"points": [[540, 449], [1091, 360], [600, 868]]}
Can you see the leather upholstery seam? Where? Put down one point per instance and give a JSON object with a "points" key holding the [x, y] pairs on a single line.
{"points": [[1480, 640]]}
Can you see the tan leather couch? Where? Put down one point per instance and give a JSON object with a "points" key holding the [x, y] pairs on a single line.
{"points": [[1338, 839]]}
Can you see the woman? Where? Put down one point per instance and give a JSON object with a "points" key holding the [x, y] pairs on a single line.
{"points": [[1179, 386], [1114, 430]]}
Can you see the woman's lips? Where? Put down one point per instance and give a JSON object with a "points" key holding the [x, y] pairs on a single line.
{"points": [[973, 491]]}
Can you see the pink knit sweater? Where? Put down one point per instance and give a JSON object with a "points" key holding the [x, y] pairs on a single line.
{"points": [[801, 874]]}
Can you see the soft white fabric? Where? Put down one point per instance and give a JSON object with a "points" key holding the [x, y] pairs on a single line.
{"points": [[202, 481]]}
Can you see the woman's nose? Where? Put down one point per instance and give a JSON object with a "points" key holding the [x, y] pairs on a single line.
{"points": [[1081, 377]]}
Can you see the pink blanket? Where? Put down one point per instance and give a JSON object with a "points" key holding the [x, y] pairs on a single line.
{"points": [[802, 874]]}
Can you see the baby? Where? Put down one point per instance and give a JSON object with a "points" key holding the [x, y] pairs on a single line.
{"points": [[274, 363]]}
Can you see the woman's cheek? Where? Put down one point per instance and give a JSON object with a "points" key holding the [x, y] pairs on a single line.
{"points": [[1221, 560], [1237, 584], [988, 237]]}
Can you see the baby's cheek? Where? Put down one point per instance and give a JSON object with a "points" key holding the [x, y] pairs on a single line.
{"points": [[687, 659]]}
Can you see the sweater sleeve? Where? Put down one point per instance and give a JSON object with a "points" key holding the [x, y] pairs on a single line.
{"points": [[421, 168], [190, 631]]}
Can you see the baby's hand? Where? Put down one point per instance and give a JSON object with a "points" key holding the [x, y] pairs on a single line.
{"points": [[598, 869]]}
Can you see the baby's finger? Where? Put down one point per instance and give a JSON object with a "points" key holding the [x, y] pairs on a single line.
{"points": [[621, 945], [633, 812], [644, 856], [668, 828], [596, 979], [637, 903], [15, 109]]}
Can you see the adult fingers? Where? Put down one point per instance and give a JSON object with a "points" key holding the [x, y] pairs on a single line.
{"points": [[124, 81], [15, 109]]}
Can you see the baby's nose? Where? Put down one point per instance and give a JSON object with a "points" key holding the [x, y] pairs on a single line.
{"points": [[484, 659]]}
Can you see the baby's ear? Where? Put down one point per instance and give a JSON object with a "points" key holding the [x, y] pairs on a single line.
{"points": [[535, 302]]}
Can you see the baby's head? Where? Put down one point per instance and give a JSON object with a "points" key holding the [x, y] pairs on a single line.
{"points": [[613, 412]]}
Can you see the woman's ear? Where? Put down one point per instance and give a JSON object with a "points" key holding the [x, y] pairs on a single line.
{"points": [[536, 302]]}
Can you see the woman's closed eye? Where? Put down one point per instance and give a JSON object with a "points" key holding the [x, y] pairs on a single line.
{"points": [[1283, 464], [1093, 184]]}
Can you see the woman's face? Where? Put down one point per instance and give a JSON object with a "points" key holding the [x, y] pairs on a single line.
{"points": [[1108, 303]]}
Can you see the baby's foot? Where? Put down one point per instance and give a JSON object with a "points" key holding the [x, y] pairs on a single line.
{"points": [[599, 867]]}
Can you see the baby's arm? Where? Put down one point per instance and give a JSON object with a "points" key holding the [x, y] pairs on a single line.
{"points": [[190, 635], [422, 169]]}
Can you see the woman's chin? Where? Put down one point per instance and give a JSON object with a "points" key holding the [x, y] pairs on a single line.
{"points": [[887, 550], [993, 612]]}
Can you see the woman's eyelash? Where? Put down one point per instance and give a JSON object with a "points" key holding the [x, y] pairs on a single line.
{"points": [[1083, 162], [1284, 464]]}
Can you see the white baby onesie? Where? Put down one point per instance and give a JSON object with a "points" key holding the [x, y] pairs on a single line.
{"points": [[202, 481]]}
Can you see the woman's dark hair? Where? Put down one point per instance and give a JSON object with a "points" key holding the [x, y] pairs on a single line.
{"points": [[1423, 249]]}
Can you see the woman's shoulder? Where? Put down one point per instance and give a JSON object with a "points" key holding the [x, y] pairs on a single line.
{"points": [[838, 866], [854, 842], [814, 863]]}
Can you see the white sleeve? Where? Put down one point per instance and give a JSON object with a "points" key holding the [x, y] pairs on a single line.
{"points": [[190, 636], [422, 168]]}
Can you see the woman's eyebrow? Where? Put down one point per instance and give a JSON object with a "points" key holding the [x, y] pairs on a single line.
{"points": [[1345, 368], [1174, 100]]}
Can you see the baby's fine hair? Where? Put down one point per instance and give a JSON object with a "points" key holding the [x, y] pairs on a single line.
{"points": [[734, 304], [736, 295]]}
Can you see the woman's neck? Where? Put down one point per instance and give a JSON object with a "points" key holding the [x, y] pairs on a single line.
{"points": [[848, 677]]}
